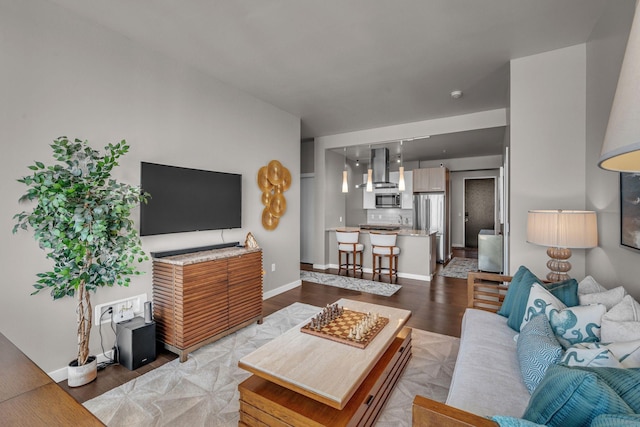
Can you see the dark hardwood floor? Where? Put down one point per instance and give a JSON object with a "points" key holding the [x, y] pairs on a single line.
{"points": [[436, 306]]}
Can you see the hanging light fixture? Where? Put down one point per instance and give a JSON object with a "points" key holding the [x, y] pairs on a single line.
{"points": [[369, 174], [621, 147], [401, 185], [345, 181]]}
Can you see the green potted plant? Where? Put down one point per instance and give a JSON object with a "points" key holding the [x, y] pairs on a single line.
{"points": [[80, 218]]}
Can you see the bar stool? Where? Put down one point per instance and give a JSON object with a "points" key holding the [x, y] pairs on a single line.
{"points": [[383, 245], [348, 245]]}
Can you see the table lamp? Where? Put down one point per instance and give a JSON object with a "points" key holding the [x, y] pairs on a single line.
{"points": [[560, 230]]}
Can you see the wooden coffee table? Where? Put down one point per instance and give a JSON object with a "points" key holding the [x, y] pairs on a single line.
{"points": [[301, 379]]}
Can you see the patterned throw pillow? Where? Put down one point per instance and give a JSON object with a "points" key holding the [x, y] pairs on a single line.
{"points": [[537, 349], [571, 325], [614, 355]]}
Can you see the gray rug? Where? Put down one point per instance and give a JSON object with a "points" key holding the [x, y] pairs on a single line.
{"points": [[355, 284], [459, 267], [203, 391]]}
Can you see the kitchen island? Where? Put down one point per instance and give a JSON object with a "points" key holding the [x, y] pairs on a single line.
{"points": [[417, 259]]}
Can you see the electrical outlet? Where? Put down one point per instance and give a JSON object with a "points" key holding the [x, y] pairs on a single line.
{"points": [[121, 310], [273, 267]]}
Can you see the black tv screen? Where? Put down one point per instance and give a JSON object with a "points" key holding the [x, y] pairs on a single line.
{"points": [[184, 199]]}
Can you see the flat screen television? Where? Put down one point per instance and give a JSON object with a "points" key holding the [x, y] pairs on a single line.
{"points": [[184, 199]]}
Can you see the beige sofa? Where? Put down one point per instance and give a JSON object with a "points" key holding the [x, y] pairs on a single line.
{"points": [[486, 380]]}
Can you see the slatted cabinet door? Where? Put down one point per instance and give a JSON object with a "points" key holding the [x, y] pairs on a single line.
{"points": [[245, 287], [201, 302]]}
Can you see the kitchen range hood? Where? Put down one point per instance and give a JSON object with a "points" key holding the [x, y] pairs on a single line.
{"points": [[380, 166]]}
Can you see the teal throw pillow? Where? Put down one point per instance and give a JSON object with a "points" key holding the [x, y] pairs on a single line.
{"points": [[566, 291], [537, 349], [616, 420], [514, 289], [574, 396], [504, 421]]}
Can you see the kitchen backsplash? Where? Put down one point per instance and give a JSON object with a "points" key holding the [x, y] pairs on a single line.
{"points": [[390, 216]]}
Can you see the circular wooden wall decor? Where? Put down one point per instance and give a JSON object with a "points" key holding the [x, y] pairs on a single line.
{"points": [[273, 180]]}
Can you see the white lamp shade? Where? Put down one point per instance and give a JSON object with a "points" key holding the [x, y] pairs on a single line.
{"points": [[562, 229], [345, 182], [621, 147], [369, 181], [401, 184]]}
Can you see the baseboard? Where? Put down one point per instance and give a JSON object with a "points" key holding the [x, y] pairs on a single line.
{"points": [[281, 289], [368, 270], [62, 373], [322, 266]]}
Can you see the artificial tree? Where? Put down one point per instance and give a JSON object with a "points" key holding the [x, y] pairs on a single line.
{"points": [[80, 217]]}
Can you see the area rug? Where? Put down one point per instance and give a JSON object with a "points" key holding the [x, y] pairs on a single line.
{"points": [[203, 391], [353, 283], [459, 267]]}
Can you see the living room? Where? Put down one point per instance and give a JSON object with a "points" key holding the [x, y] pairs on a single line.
{"points": [[65, 75]]}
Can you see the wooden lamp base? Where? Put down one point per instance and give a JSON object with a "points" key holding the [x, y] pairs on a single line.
{"points": [[558, 264]]}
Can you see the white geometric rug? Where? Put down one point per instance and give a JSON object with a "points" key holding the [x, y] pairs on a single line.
{"points": [[203, 391], [353, 283]]}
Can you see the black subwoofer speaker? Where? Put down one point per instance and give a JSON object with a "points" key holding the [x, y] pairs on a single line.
{"points": [[136, 342]]}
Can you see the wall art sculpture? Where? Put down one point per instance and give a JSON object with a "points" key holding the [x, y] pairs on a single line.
{"points": [[273, 180]]}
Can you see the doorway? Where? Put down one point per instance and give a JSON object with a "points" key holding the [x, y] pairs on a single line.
{"points": [[479, 208], [307, 217]]}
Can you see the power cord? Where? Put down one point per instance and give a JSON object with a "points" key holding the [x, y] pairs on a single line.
{"points": [[112, 360]]}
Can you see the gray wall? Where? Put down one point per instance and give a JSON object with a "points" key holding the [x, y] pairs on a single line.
{"points": [[62, 75], [610, 264]]}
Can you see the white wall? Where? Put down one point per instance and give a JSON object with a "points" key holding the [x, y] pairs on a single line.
{"points": [[61, 75], [610, 264], [547, 140]]}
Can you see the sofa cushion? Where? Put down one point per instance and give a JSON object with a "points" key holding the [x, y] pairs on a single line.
{"points": [[609, 298], [487, 366], [625, 354], [622, 322], [570, 324], [566, 291], [518, 290], [574, 396], [588, 285], [537, 349]]}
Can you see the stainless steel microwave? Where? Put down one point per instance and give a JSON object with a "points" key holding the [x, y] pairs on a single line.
{"points": [[388, 200]]}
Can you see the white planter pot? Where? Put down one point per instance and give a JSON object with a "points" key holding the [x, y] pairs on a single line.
{"points": [[81, 375]]}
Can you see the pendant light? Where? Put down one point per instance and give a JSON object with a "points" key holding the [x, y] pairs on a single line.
{"points": [[345, 181], [401, 185], [369, 174]]}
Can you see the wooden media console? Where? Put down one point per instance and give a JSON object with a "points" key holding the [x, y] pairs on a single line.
{"points": [[203, 296]]}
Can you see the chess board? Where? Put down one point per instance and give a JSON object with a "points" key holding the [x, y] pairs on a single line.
{"points": [[338, 329]]}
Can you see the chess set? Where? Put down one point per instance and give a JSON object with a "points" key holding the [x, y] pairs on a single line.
{"points": [[345, 326]]}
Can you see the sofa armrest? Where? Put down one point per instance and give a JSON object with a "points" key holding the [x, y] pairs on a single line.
{"points": [[486, 291], [427, 412]]}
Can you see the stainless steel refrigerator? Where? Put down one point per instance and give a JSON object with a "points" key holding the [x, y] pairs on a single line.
{"points": [[428, 215]]}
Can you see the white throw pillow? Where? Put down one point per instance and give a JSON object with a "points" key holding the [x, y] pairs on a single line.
{"points": [[608, 298], [614, 355], [571, 325], [588, 285], [622, 322]]}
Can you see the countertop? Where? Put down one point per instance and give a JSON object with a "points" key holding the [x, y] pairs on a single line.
{"points": [[401, 232], [202, 256]]}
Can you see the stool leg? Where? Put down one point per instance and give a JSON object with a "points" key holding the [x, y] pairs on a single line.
{"points": [[354, 263]]}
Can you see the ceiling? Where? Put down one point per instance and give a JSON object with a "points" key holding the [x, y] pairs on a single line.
{"points": [[346, 65]]}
